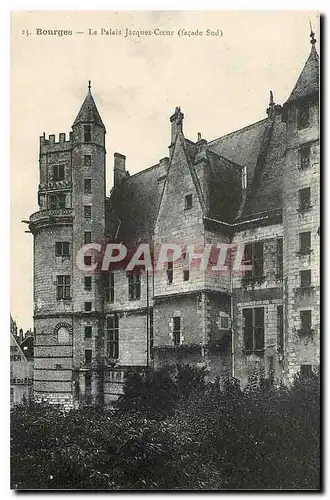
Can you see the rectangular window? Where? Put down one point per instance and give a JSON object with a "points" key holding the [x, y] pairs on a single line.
{"points": [[88, 388], [87, 211], [303, 116], [169, 272], [57, 201], [254, 255], [304, 196], [113, 336], [87, 133], [305, 278], [306, 321], [63, 287], [87, 186], [87, 260], [88, 283], [305, 154], [62, 249], [186, 270], [279, 253], [151, 329], [58, 172], [109, 287], [280, 331], [306, 371], [305, 243], [88, 332], [224, 322], [176, 330], [253, 325], [134, 286], [87, 160], [87, 237], [88, 306], [88, 356], [188, 202]]}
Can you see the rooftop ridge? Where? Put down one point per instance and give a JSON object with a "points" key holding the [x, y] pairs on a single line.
{"points": [[238, 130]]}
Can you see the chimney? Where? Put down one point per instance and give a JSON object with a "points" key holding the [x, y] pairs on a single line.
{"points": [[119, 169], [176, 121], [21, 334]]}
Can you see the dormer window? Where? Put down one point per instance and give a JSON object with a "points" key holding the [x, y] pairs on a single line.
{"points": [[303, 116], [188, 202], [87, 133]]}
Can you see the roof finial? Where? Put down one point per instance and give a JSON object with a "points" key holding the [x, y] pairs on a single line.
{"points": [[89, 85], [312, 35]]}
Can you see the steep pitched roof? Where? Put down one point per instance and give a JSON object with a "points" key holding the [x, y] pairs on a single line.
{"points": [[88, 112], [266, 191], [308, 81], [242, 146], [133, 206]]}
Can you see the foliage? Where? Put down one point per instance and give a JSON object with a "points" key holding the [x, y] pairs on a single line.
{"points": [[173, 431]]}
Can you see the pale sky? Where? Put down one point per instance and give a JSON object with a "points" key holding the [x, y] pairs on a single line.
{"points": [[221, 84]]}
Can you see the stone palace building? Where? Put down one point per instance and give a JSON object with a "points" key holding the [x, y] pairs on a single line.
{"points": [[257, 187]]}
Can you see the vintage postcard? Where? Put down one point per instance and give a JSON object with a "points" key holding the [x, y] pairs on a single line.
{"points": [[165, 186]]}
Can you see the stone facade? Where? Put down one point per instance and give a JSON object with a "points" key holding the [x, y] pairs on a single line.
{"points": [[255, 189]]}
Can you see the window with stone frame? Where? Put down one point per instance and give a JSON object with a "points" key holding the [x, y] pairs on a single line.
{"points": [[280, 329], [62, 249], [304, 196], [88, 332], [279, 258], [113, 336], [87, 160], [87, 237], [87, 306], [58, 172], [87, 133], [306, 371], [88, 388], [63, 287], [254, 256], [254, 329], [87, 186], [87, 211], [186, 270], [188, 202], [151, 330], [305, 322], [88, 283], [109, 287], [305, 278], [169, 272], [57, 201], [87, 260], [176, 330], [303, 115], [304, 157], [305, 243], [134, 286]]}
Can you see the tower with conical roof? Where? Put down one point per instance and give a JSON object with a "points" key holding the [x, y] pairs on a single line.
{"points": [[301, 209], [67, 294]]}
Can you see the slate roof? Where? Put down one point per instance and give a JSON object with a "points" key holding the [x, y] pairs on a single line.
{"points": [[259, 147], [242, 146], [308, 81], [88, 112], [135, 203]]}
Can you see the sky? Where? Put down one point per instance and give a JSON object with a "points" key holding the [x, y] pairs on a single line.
{"points": [[221, 83]]}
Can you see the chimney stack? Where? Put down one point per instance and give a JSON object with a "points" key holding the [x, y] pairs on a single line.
{"points": [[119, 169], [176, 120]]}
